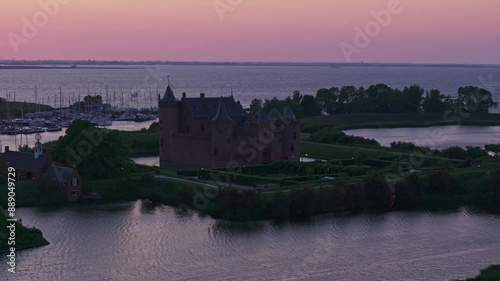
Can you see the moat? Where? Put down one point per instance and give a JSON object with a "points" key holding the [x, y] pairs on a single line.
{"points": [[141, 241]]}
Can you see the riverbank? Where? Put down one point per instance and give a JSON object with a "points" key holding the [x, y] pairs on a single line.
{"points": [[491, 273], [25, 237], [395, 120]]}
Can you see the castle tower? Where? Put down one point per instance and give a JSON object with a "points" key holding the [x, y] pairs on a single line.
{"points": [[169, 122], [222, 132], [291, 136]]}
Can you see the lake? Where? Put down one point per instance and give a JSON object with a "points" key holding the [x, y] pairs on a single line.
{"points": [[141, 241], [248, 82], [438, 137]]}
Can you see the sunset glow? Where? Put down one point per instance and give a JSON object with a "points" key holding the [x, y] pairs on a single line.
{"points": [[426, 31]]}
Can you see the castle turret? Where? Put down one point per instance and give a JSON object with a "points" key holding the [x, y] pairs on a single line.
{"points": [[169, 122], [222, 132], [291, 135]]}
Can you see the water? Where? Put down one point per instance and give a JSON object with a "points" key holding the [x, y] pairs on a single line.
{"points": [[438, 137], [249, 82], [155, 160], [138, 241]]}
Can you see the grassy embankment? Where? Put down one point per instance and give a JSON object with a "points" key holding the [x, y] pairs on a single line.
{"points": [[25, 237], [491, 273], [17, 108]]}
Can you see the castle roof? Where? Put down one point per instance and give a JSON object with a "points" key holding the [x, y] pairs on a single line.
{"points": [[58, 172], [221, 114], [208, 106], [169, 95], [259, 116], [289, 114]]}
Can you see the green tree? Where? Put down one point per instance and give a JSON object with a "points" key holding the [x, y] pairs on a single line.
{"points": [[380, 96], [310, 106], [327, 99], [94, 152], [474, 99], [412, 97], [255, 105], [434, 102], [378, 192], [296, 97], [456, 152]]}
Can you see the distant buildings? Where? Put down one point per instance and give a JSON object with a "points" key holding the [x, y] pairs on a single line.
{"points": [[208, 132], [36, 166]]}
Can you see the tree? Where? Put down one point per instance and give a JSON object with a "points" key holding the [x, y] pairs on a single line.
{"points": [[474, 99], [310, 106], [255, 105], [94, 152], [345, 97], [434, 102], [412, 98], [456, 152], [296, 97], [378, 192], [327, 99], [380, 95]]}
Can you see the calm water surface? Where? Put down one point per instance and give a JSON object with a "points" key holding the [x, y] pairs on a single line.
{"points": [[139, 241], [434, 137], [249, 82]]}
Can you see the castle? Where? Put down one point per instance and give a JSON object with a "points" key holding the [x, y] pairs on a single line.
{"points": [[213, 132]]}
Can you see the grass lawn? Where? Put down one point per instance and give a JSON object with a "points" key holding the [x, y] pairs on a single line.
{"points": [[335, 151]]}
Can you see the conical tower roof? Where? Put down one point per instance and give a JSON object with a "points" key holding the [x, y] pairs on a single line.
{"points": [[169, 95], [221, 114], [258, 116]]}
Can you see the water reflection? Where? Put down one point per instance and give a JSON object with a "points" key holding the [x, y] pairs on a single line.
{"points": [[438, 137], [113, 241]]}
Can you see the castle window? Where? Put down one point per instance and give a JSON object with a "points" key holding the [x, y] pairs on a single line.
{"points": [[215, 151], [202, 128], [228, 141], [292, 148], [294, 135], [219, 131], [188, 129], [161, 142]]}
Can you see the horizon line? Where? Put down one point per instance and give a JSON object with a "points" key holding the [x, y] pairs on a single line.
{"points": [[247, 62]]}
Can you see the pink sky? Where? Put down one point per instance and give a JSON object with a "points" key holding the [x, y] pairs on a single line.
{"points": [[426, 31]]}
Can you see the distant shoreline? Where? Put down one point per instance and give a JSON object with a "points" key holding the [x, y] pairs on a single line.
{"points": [[51, 64], [61, 67]]}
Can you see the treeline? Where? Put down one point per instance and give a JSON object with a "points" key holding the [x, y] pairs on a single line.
{"points": [[381, 98], [441, 188], [332, 136]]}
